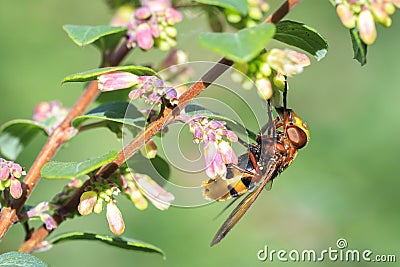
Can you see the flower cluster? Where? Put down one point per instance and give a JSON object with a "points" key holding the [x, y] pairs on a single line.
{"points": [[153, 91], [153, 25], [41, 211], [92, 201], [50, 114], [150, 88], [10, 172], [216, 137], [136, 186], [44, 210], [256, 10], [364, 14], [268, 69]]}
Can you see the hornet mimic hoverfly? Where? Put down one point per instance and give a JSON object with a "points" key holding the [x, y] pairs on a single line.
{"points": [[275, 148]]}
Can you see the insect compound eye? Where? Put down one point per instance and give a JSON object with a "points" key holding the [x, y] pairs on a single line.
{"points": [[296, 136]]}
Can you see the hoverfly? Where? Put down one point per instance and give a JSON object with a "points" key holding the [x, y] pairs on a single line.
{"points": [[275, 148]]}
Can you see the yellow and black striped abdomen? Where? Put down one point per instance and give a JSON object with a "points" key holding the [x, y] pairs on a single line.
{"points": [[225, 188]]}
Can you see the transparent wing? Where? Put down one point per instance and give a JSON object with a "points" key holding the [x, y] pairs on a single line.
{"points": [[241, 209]]}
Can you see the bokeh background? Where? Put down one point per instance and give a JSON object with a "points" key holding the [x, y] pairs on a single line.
{"points": [[344, 184]]}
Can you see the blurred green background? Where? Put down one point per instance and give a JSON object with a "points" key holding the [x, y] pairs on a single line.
{"points": [[344, 184]]}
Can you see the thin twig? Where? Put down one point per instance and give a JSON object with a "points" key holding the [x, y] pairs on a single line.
{"points": [[152, 129]]}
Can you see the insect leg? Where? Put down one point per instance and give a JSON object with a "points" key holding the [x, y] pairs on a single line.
{"points": [[232, 165]]}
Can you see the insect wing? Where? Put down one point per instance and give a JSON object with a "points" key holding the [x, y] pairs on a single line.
{"points": [[241, 209]]}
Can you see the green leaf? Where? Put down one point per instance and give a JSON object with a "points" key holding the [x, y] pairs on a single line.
{"points": [[241, 46], [113, 115], [117, 95], [162, 167], [359, 47], [233, 125], [91, 75], [238, 5], [121, 242], [16, 259], [70, 170], [15, 135], [302, 36], [102, 36]]}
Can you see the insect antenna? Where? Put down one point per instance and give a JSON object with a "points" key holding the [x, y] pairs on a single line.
{"points": [[285, 89]]}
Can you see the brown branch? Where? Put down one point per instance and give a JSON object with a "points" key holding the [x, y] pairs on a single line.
{"points": [[282, 11], [152, 129]]}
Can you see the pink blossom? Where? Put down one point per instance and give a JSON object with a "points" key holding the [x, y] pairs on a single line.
{"points": [[39, 209], [287, 62], [153, 90], [217, 151], [50, 114], [215, 165], [116, 80], [157, 195]]}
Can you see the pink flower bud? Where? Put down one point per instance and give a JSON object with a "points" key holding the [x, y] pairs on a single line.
{"points": [[17, 171], [39, 209], [116, 80], [366, 27], [264, 88], [346, 16], [380, 14], [87, 202], [15, 188], [114, 218], [41, 111], [143, 13], [173, 16], [49, 222], [135, 94], [144, 36], [4, 173]]}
